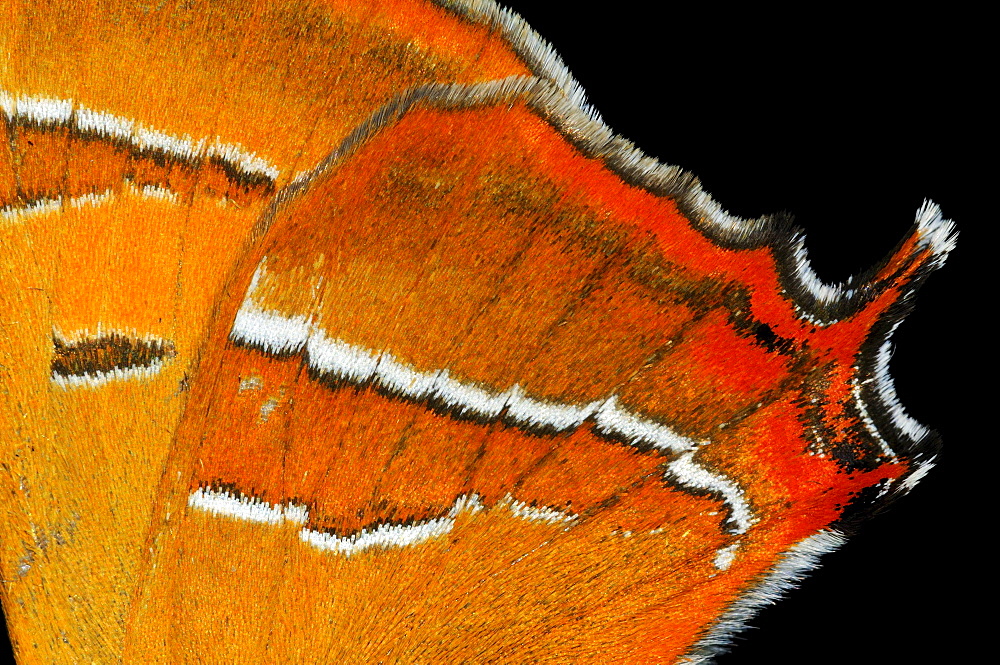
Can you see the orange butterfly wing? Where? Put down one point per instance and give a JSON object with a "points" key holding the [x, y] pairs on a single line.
{"points": [[471, 383], [482, 373]]}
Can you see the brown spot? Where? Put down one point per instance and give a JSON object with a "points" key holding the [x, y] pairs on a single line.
{"points": [[108, 352]]}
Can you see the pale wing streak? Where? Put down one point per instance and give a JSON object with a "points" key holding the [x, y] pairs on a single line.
{"points": [[250, 509], [95, 379], [41, 207]]}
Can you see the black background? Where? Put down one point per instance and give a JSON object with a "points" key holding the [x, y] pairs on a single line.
{"points": [[848, 120]]}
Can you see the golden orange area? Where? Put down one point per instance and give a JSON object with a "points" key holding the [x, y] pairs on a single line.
{"points": [[285, 79], [567, 589]]}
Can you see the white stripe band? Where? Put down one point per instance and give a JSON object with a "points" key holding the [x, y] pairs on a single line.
{"points": [[248, 509], [44, 110]]}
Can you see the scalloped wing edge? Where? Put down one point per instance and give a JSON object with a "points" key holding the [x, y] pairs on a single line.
{"points": [[819, 303]]}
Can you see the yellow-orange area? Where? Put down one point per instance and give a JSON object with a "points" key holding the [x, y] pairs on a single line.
{"points": [[284, 81], [84, 462]]}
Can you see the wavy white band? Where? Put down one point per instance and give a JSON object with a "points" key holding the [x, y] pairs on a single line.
{"points": [[249, 509]]}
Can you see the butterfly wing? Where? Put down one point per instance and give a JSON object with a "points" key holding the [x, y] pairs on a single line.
{"points": [[456, 365], [473, 385]]}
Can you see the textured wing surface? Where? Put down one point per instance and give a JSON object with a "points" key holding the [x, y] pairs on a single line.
{"points": [[339, 331], [472, 386]]}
